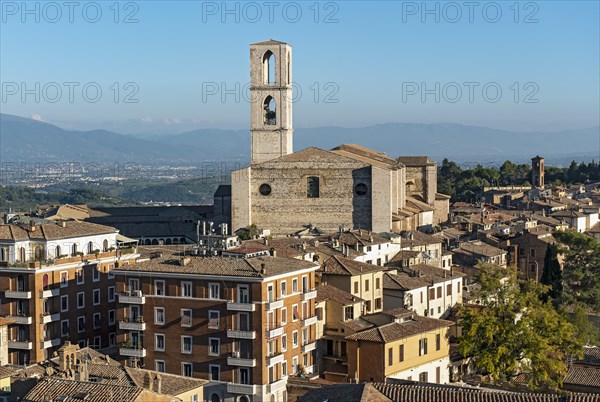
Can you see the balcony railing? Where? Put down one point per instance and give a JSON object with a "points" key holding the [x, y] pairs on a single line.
{"points": [[241, 334], [272, 305], [21, 319], [17, 294], [49, 343], [243, 389], [136, 324], [132, 352], [309, 347], [277, 385], [309, 321], [236, 360], [22, 345], [46, 318], [274, 332], [233, 306], [133, 297], [309, 294], [274, 359]]}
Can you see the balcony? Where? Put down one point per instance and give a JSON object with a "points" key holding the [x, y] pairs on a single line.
{"points": [[16, 294], [50, 343], [309, 321], [309, 347], [277, 385], [21, 319], [133, 325], [232, 306], [22, 345], [275, 332], [310, 294], [132, 352], [46, 318], [244, 389], [239, 334], [236, 360], [274, 359], [45, 294], [310, 369], [134, 297], [271, 306]]}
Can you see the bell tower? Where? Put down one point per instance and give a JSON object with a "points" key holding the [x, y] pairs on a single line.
{"points": [[537, 171], [271, 129]]}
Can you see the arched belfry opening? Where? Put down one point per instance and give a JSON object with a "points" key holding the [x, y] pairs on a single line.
{"points": [[270, 108], [269, 68]]}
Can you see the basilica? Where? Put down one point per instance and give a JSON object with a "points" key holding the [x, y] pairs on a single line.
{"points": [[349, 186]]}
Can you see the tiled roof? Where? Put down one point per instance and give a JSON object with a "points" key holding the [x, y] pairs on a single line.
{"points": [[403, 281], [72, 391], [591, 356], [328, 292], [53, 231], [394, 331], [291, 247], [583, 376], [479, 248], [416, 160], [367, 155], [419, 393], [170, 384], [358, 236], [240, 267], [6, 372], [313, 156], [415, 238], [270, 42], [343, 266], [345, 393]]}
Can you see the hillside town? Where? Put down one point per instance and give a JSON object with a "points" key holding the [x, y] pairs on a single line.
{"points": [[316, 275]]}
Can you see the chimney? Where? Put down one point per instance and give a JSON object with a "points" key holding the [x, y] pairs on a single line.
{"points": [[148, 381], [185, 261], [63, 224], [262, 268], [158, 384], [266, 241], [31, 226], [273, 252]]}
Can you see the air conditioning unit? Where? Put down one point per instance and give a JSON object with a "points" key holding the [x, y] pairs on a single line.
{"points": [[127, 293], [235, 354], [136, 293]]}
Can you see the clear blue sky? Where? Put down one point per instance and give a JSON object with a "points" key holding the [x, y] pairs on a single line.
{"points": [[367, 55]]}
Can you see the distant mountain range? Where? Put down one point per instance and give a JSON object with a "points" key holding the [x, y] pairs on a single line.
{"points": [[32, 141]]}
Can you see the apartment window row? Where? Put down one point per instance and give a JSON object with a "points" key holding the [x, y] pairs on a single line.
{"points": [[283, 289], [160, 317], [186, 289], [186, 344]]}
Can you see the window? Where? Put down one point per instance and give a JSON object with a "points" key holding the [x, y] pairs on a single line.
{"points": [[264, 189], [80, 324], [458, 286], [295, 285], [111, 293], [214, 346], [186, 369], [421, 297], [295, 314], [64, 303], [112, 339], [319, 313], [378, 303], [368, 306], [401, 353], [186, 317], [377, 280], [111, 317], [159, 288], [295, 339], [215, 372], [213, 291], [64, 328], [439, 292], [366, 285], [532, 252], [283, 315], [97, 342], [423, 376], [96, 276], [160, 366], [312, 187], [80, 300], [96, 296], [111, 274], [422, 346], [213, 319], [294, 364], [349, 313], [186, 344], [283, 342], [438, 342], [64, 279], [80, 276], [431, 293], [438, 375], [284, 368], [361, 189], [159, 315], [449, 289], [186, 289], [283, 288], [270, 108], [97, 321], [356, 287], [159, 342], [390, 356]]}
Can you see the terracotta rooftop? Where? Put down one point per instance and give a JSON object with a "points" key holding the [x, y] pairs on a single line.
{"points": [[328, 292], [235, 267], [583, 377], [343, 266], [345, 393], [395, 331], [52, 231], [55, 389]]}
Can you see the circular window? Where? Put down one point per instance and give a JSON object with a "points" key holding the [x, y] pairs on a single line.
{"points": [[361, 189], [265, 189]]}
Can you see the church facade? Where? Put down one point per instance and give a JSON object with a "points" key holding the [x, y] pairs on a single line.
{"points": [[351, 186]]}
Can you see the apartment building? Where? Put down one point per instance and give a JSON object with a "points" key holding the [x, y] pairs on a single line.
{"points": [[360, 279], [244, 324], [401, 345], [57, 284]]}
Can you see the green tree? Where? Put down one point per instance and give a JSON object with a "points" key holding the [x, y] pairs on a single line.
{"points": [[552, 275], [514, 332]]}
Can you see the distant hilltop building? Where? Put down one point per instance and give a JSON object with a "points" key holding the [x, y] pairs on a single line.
{"points": [[350, 185], [537, 171]]}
